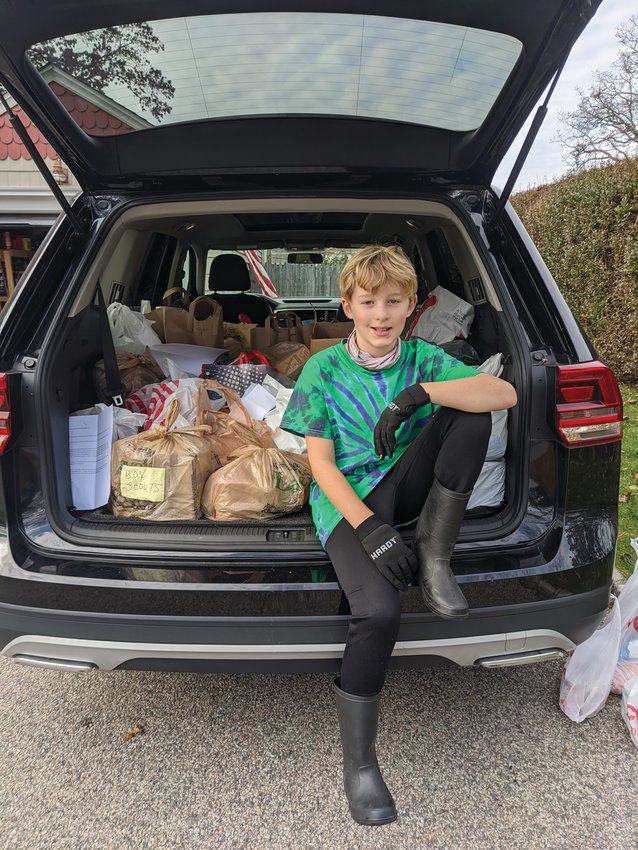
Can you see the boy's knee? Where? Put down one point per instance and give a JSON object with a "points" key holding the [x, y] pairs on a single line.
{"points": [[379, 619], [476, 424]]}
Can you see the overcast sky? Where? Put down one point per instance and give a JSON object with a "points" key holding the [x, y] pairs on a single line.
{"points": [[595, 50]]}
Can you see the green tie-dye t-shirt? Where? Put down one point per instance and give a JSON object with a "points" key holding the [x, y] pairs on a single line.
{"points": [[337, 399]]}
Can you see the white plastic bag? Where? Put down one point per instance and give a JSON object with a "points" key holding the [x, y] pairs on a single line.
{"points": [[125, 423], [489, 488], [628, 596], [284, 440], [627, 666], [446, 319], [589, 670], [131, 331], [629, 708], [185, 390], [493, 365]]}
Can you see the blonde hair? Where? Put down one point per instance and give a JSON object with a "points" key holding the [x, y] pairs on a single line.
{"points": [[375, 265]]}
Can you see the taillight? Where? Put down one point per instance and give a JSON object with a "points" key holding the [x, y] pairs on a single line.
{"points": [[588, 405], [5, 412]]}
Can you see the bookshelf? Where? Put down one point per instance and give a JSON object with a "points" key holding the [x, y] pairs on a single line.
{"points": [[12, 265]]}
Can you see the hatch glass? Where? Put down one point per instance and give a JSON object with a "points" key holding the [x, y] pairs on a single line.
{"points": [[127, 78]]}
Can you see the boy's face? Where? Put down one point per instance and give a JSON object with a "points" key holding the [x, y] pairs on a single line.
{"points": [[379, 318]]}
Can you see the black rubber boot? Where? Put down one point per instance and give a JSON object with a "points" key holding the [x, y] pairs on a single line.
{"points": [[370, 802], [436, 532]]}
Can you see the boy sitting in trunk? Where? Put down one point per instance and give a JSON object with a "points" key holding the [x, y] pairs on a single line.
{"points": [[396, 431]]}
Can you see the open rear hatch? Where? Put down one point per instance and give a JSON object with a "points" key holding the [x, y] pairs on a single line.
{"points": [[65, 376], [129, 94], [303, 92]]}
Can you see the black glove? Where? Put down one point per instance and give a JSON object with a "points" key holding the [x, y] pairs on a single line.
{"points": [[401, 408], [387, 551]]}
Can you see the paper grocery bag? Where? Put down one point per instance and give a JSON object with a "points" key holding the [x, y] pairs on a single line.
{"points": [[201, 324], [288, 357], [206, 322], [240, 332], [332, 330], [171, 325], [284, 327], [319, 344]]}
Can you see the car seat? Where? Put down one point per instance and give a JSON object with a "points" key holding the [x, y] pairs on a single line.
{"points": [[229, 282]]}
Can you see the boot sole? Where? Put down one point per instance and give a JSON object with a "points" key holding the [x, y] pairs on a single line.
{"points": [[373, 822], [445, 615]]}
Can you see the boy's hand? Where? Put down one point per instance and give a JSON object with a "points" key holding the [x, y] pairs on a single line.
{"points": [[387, 551], [401, 408]]}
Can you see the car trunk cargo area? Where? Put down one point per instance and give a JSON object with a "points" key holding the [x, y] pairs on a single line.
{"points": [[447, 251]]}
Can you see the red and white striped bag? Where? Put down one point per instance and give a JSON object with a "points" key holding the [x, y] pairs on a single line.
{"points": [[138, 402], [183, 389]]}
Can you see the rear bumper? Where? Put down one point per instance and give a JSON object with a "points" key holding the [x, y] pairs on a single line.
{"points": [[82, 655], [288, 644]]}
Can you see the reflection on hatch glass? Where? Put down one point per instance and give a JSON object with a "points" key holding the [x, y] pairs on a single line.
{"points": [[130, 77]]}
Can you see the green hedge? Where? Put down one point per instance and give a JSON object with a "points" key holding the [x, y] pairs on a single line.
{"points": [[586, 228]]}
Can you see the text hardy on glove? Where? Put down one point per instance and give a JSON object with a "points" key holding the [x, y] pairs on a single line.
{"points": [[395, 414], [387, 551]]}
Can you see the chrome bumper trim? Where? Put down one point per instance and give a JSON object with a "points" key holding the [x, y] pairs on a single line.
{"points": [[48, 651]]}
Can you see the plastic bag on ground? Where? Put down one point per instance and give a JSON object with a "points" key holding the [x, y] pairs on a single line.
{"points": [[257, 484], [629, 708], [589, 671], [160, 474], [627, 666], [628, 596], [131, 331]]}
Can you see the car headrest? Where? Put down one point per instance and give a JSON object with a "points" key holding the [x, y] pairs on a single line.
{"points": [[228, 273]]}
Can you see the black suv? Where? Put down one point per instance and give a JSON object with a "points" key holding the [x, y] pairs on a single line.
{"points": [[309, 127]]}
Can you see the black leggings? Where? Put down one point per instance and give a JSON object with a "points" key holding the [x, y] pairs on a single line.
{"points": [[451, 447]]}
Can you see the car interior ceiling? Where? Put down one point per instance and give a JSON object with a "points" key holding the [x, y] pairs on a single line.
{"points": [[148, 256], [417, 235]]}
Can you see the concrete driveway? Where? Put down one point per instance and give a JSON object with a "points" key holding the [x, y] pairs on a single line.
{"points": [[475, 759]]}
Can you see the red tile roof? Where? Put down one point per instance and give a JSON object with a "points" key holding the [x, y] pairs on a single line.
{"points": [[86, 114]]}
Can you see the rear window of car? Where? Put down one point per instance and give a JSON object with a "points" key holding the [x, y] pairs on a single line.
{"points": [[292, 274], [132, 77]]}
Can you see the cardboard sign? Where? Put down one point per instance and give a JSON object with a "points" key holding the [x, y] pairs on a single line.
{"points": [[145, 483]]}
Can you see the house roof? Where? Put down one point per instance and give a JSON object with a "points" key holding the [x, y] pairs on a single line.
{"points": [[93, 111]]}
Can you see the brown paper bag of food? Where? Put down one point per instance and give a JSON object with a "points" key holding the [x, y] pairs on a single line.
{"points": [[284, 327], [206, 322], [136, 371], [240, 332], [160, 474], [332, 330], [319, 344], [171, 324], [201, 324], [229, 430], [257, 484], [288, 357]]}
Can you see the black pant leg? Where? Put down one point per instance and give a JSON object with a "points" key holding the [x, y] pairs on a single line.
{"points": [[375, 612], [452, 447]]}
